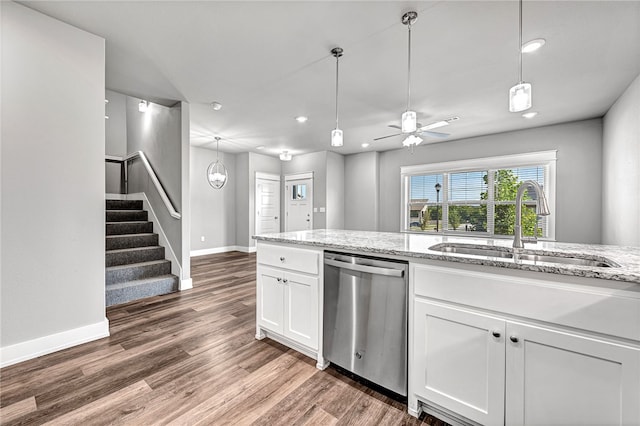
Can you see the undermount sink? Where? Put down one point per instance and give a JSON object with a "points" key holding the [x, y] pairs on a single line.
{"points": [[520, 256]]}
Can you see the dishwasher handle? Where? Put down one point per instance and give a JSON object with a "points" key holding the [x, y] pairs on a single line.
{"points": [[389, 272]]}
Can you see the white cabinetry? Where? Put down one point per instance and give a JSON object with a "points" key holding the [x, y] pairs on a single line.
{"points": [[288, 296], [478, 362]]}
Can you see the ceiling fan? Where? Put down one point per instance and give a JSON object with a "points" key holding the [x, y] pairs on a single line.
{"points": [[424, 130]]}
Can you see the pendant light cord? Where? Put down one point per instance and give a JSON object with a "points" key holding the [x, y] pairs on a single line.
{"points": [[520, 42], [217, 147], [409, 70], [337, 61]]}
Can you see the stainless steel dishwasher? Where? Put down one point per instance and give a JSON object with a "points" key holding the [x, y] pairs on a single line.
{"points": [[365, 318]]}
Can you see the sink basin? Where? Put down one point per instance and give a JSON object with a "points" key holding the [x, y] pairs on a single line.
{"points": [[470, 249], [507, 253]]}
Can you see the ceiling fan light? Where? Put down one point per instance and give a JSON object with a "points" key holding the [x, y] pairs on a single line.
{"points": [[412, 140], [409, 122], [520, 97], [336, 137]]}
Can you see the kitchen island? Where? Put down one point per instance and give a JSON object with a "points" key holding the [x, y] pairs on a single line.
{"points": [[545, 334]]}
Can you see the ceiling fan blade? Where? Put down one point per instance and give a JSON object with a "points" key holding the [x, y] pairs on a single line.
{"points": [[395, 126], [433, 134], [389, 136]]}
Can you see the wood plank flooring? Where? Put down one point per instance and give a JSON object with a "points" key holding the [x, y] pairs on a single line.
{"points": [[190, 358]]}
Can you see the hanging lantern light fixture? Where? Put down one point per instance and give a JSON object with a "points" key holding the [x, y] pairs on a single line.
{"points": [[520, 94], [336, 134], [217, 175]]}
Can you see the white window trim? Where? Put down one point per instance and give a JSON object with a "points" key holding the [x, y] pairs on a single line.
{"points": [[547, 158]]}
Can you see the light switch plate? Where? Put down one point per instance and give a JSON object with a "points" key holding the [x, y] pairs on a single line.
{"points": [[322, 210], [315, 210]]}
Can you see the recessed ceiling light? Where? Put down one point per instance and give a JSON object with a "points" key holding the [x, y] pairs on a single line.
{"points": [[301, 119], [530, 114], [365, 145], [260, 147], [217, 106], [533, 45]]}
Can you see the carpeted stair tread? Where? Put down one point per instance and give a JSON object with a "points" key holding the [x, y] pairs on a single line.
{"points": [[136, 271], [124, 204], [137, 289], [126, 215], [129, 227], [115, 242], [128, 256]]}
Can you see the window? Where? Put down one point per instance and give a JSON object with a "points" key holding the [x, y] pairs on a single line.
{"points": [[478, 196]]}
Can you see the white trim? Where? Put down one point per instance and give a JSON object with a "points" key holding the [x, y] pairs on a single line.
{"points": [[268, 176], [186, 284], [224, 249], [109, 196], [307, 175], [34, 348], [514, 160]]}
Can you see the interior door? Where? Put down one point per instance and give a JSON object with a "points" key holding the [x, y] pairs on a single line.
{"points": [[299, 204], [267, 203]]}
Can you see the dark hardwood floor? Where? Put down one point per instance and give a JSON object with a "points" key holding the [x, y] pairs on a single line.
{"points": [[190, 358]]}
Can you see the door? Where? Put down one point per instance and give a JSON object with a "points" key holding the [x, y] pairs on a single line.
{"points": [[459, 361], [299, 202], [301, 309], [560, 378], [267, 203], [270, 299]]}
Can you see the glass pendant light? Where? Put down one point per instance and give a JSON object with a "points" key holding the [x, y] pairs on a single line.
{"points": [[336, 134], [217, 175], [520, 94], [409, 118]]}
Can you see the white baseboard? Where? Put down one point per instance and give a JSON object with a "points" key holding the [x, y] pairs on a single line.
{"points": [[30, 349], [225, 249], [186, 284]]}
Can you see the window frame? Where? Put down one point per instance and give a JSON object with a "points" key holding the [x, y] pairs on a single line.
{"points": [[545, 159]]}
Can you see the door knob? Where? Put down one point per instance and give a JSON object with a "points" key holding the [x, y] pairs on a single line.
{"points": [[276, 217], [496, 334], [514, 339]]}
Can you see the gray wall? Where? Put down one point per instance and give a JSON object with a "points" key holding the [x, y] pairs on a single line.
{"points": [[116, 137], [621, 170], [361, 200], [213, 211], [243, 235], [158, 133], [315, 162], [52, 177], [578, 183], [335, 190]]}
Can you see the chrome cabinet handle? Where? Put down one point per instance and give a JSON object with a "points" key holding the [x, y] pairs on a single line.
{"points": [[495, 334], [514, 339]]}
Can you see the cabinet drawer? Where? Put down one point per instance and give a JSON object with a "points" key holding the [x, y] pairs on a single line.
{"points": [[295, 259]]}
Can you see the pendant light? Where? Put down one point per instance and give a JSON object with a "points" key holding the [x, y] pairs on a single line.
{"points": [[520, 94], [216, 172], [409, 119], [336, 134]]}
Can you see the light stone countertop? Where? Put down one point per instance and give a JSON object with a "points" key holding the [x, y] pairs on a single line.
{"points": [[417, 246]]}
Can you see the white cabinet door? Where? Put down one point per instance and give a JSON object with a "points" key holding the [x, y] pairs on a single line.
{"points": [[458, 359], [560, 378], [270, 294], [301, 309]]}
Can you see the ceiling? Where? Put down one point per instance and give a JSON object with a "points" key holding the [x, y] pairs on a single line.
{"points": [[267, 62]]}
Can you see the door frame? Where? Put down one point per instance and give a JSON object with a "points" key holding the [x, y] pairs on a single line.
{"points": [[287, 179], [265, 176]]}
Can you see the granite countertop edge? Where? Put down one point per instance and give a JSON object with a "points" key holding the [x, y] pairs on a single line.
{"points": [[625, 273]]}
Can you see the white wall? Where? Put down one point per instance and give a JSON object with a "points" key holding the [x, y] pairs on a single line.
{"points": [[578, 183], [335, 191], [53, 181], [213, 211], [360, 199], [621, 170]]}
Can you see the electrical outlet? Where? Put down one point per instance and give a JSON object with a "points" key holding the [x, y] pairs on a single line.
{"points": [[202, 238]]}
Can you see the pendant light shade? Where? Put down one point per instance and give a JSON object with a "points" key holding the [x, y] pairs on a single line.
{"points": [[336, 134], [409, 121], [217, 175], [520, 95]]}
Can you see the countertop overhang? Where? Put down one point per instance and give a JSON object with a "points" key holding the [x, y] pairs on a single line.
{"points": [[417, 246]]}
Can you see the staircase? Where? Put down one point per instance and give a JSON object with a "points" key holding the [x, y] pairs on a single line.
{"points": [[135, 264]]}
